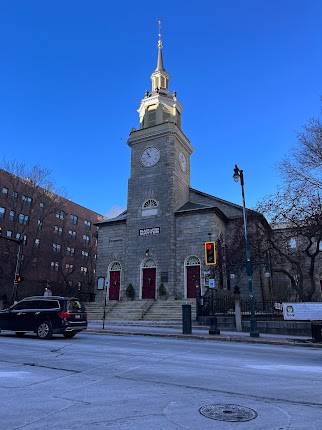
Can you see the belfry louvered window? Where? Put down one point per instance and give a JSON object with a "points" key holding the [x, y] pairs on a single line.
{"points": [[150, 207]]}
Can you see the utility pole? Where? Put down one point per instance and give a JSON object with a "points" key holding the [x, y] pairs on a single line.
{"points": [[16, 279]]}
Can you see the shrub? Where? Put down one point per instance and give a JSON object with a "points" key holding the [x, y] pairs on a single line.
{"points": [[130, 292], [163, 291]]}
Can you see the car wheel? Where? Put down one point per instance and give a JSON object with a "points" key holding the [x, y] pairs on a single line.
{"points": [[69, 334], [20, 333], [44, 330]]}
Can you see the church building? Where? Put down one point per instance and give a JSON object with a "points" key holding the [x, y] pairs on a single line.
{"points": [[158, 242]]}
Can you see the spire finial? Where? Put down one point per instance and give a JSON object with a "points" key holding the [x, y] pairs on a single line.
{"points": [[160, 66], [159, 34]]}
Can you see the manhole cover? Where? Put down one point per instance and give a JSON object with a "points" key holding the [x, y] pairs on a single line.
{"points": [[228, 412]]}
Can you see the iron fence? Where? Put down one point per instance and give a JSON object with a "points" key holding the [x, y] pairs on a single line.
{"points": [[211, 304]]}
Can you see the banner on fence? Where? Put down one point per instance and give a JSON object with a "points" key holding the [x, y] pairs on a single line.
{"points": [[307, 311]]}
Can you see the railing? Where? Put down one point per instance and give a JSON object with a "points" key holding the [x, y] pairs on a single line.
{"points": [[212, 304], [86, 297]]}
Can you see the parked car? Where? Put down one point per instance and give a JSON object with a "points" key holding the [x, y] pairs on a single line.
{"points": [[45, 316]]}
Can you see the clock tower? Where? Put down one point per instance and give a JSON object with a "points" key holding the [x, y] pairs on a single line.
{"points": [[158, 186]]}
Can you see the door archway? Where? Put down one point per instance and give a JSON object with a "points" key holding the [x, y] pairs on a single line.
{"points": [[114, 281], [192, 276], [148, 279]]}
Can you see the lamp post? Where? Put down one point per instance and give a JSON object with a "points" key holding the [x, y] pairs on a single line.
{"points": [[239, 177]]}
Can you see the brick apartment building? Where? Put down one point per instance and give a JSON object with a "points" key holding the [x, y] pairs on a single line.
{"points": [[58, 241]]}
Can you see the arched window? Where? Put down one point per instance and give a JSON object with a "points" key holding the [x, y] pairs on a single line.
{"points": [[115, 267], [149, 264], [192, 261], [150, 207]]}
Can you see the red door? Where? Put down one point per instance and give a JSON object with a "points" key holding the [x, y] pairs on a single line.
{"points": [[148, 286], [193, 280], [114, 291]]}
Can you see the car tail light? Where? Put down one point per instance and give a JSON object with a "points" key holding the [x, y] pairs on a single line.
{"points": [[64, 315]]}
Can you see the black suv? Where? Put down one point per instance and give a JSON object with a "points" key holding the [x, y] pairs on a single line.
{"points": [[45, 316]]}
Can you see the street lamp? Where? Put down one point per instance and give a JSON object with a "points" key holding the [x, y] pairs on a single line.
{"points": [[239, 177]]}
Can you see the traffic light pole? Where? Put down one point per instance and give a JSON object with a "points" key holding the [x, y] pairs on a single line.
{"points": [[239, 175], [17, 268]]}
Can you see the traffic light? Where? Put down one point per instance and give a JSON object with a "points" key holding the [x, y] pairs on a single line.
{"points": [[210, 253], [18, 278]]}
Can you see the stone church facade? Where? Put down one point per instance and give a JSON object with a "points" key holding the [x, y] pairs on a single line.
{"points": [[159, 239]]}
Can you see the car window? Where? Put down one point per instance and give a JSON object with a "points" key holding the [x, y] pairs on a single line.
{"points": [[48, 304], [25, 304], [75, 305], [18, 306]]}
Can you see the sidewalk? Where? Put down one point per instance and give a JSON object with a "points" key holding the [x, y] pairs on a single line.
{"points": [[173, 329]]}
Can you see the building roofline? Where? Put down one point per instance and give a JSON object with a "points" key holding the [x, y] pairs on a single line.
{"points": [[205, 209], [25, 182], [223, 201]]}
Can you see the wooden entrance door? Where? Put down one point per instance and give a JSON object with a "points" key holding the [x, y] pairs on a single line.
{"points": [[114, 290], [193, 279], [148, 284]]}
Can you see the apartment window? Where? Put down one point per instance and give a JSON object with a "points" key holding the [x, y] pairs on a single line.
{"points": [[24, 239], [86, 238], [84, 270], [9, 233], [23, 219], [87, 223], [70, 251], [26, 199], [12, 216], [18, 236], [56, 247], [14, 194], [74, 219], [60, 214], [2, 212], [72, 234], [70, 283], [58, 230], [84, 254], [39, 223], [69, 267], [41, 205], [4, 191], [54, 265], [37, 242]]}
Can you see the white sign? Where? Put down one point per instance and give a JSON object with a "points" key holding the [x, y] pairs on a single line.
{"points": [[149, 231], [307, 311], [212, 283]]}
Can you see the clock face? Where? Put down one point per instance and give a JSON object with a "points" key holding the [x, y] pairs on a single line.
{"points": [[183, 162], [150, 156]]}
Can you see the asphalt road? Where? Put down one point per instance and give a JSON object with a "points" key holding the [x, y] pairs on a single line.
{"points": [[97, 382]]}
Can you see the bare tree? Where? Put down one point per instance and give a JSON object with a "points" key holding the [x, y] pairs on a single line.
{"points": [[38, 200], [295, 238]]}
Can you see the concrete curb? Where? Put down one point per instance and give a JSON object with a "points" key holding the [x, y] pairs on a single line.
{"points": [[220, 338]]}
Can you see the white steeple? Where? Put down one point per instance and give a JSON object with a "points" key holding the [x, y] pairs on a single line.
{"points": [[159, 105]]}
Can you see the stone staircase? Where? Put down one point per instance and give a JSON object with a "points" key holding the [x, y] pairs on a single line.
{"points": [[136, 310], [168, 310], [131, 310], [95, 310]]}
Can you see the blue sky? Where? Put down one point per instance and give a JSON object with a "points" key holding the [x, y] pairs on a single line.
{"points": [[72, 74]]}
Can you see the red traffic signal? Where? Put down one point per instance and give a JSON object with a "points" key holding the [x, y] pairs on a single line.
{"points": [[18, 279], [210, 253]]}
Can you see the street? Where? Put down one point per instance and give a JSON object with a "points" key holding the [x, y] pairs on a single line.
{"points": [[134, 382]]}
